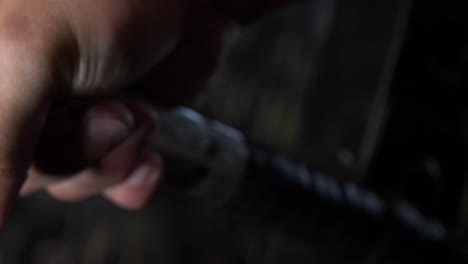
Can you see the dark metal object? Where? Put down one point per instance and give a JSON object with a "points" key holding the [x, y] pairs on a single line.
{"points": [[216, 164]]}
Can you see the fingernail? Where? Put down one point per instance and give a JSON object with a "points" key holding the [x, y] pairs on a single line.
{"points": [[106, 130], [144, 176]]}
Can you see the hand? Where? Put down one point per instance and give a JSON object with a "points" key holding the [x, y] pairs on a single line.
{"points": [[104, 148], [50, 49]]}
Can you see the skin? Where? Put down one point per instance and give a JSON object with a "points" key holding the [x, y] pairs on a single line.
{"points": [[50, 50]]}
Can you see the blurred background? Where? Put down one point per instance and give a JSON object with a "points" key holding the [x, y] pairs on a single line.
{"points": [[368, 91]]}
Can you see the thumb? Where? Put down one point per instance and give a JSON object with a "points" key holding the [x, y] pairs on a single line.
{"points": [[23, 105]]}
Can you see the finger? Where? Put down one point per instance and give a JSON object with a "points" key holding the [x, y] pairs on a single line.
{"points": [[62, 151], [116, 165], [136, 191], [132, 193], [113, 168], [104, 126], [74, 137], [35, 181], [95, 141]]}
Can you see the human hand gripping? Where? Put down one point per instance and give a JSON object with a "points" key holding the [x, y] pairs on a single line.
{"points": [[51, 49], [55, 49]]}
